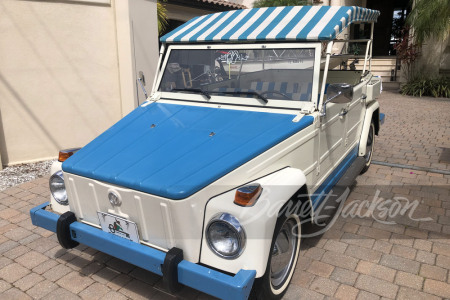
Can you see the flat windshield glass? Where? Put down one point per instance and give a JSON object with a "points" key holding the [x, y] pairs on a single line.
{"points": [[275, 74]]}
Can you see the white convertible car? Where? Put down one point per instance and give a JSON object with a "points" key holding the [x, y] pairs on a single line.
{"points": [[254, 117]]}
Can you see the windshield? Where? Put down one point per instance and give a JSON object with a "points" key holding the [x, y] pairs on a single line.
{"points": [[275, 74]]}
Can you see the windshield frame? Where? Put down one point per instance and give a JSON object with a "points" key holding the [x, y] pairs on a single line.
{"points": [[220, 99]]}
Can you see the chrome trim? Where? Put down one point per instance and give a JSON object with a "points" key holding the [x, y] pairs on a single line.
{"points": [[58, 175], [284, 253], [235, 226], [114, 198]]}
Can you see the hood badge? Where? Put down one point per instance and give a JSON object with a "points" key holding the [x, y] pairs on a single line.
{"points": [[114, 198]]}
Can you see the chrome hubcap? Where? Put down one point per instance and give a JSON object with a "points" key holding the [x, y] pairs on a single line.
{"points": [[369, 146], [283, 252]]}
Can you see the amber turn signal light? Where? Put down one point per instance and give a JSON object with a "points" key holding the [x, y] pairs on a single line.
{"points": [[66, 153], [248, 194]]}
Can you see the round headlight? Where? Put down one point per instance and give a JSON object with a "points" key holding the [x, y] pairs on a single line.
{"points": [[58, 188], [225, 236]]}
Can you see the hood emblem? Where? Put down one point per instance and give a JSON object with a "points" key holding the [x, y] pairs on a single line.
{"points": [[114, 198]]}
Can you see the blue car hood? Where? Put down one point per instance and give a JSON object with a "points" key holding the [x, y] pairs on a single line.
{"points": [[173, 151]]}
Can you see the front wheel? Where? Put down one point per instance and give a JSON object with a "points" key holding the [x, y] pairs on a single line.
{"points": [[369, 148], [282, 260]]}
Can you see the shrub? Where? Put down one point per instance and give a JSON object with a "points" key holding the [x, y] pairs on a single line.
{"points": [[435, 87]]}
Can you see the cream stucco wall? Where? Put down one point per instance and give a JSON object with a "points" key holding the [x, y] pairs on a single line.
{"points": [[62, 78], [434, 57], [183, 13], [59, 76]]}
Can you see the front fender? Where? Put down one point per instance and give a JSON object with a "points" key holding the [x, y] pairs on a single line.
{"points": [[258, 220], [371, 110]]}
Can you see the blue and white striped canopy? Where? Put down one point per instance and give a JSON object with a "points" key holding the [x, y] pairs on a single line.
{"points": [[291, 23]]}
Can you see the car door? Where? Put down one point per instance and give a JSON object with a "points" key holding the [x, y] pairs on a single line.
{"points": [[355, 116], [332, 133]]}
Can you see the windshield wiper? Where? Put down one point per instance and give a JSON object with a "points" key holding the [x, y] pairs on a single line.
{"points": [[204, 93], [243, 92]]}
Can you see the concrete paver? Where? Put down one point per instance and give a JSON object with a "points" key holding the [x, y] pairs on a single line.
{"points": [[367, 257]]}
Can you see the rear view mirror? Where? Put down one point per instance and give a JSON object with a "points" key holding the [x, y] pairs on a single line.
{"points": [[339, 93]]}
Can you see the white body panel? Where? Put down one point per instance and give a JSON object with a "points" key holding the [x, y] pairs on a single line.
{"points": [[258, 220], [88, 196], [371, 107]]}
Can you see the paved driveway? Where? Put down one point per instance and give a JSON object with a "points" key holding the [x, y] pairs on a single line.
{"points": [[376, 255]]}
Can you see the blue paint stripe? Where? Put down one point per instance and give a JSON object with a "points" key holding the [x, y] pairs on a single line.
{"points": [[313, 22], [282, 34], [178, 38], [333, 178], [328, 32], [244, 36], [226, 36], [227, 22], [275, 22], [177, 30], [216, 20]]}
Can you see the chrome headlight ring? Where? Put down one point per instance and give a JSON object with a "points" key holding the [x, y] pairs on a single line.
{"points": [[225, 236], [58, 188]]}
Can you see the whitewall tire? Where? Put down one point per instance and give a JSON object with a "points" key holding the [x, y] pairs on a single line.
{"points": [[369, 148], [282, 260]]}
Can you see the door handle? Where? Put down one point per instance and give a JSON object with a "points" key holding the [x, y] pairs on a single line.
{"points": [[141, 80]]}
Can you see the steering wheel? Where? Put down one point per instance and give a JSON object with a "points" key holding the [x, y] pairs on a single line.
{"points": [[276, 92]]}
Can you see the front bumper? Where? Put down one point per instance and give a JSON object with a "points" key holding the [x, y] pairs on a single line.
{"points": [[382, 117], [190, 274]]}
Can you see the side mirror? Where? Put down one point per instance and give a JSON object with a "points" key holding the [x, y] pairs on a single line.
{"points": [[337, 93]]}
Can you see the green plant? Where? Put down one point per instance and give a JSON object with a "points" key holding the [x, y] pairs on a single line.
{"points": [[430, 18], [355, 49], [162, 17], [267, 3], [435, 87], [407, 52]]}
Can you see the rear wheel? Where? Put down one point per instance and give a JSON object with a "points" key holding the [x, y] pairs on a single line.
{"points": [[369, 148], [282, 260]]}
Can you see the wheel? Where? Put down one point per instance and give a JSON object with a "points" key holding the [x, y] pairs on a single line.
{"points": [[369, 148], [282, 260]]}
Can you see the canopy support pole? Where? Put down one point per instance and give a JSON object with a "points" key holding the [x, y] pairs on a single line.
{"points": [[158, 69], [325, 74], [372, 25]]}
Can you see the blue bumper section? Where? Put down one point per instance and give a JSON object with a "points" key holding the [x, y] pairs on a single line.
{"points": [[190, 274], [382, 117]]}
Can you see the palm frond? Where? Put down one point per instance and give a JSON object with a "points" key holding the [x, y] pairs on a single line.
{"points": [[430, 18], [267, 3], [162, 17]]}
